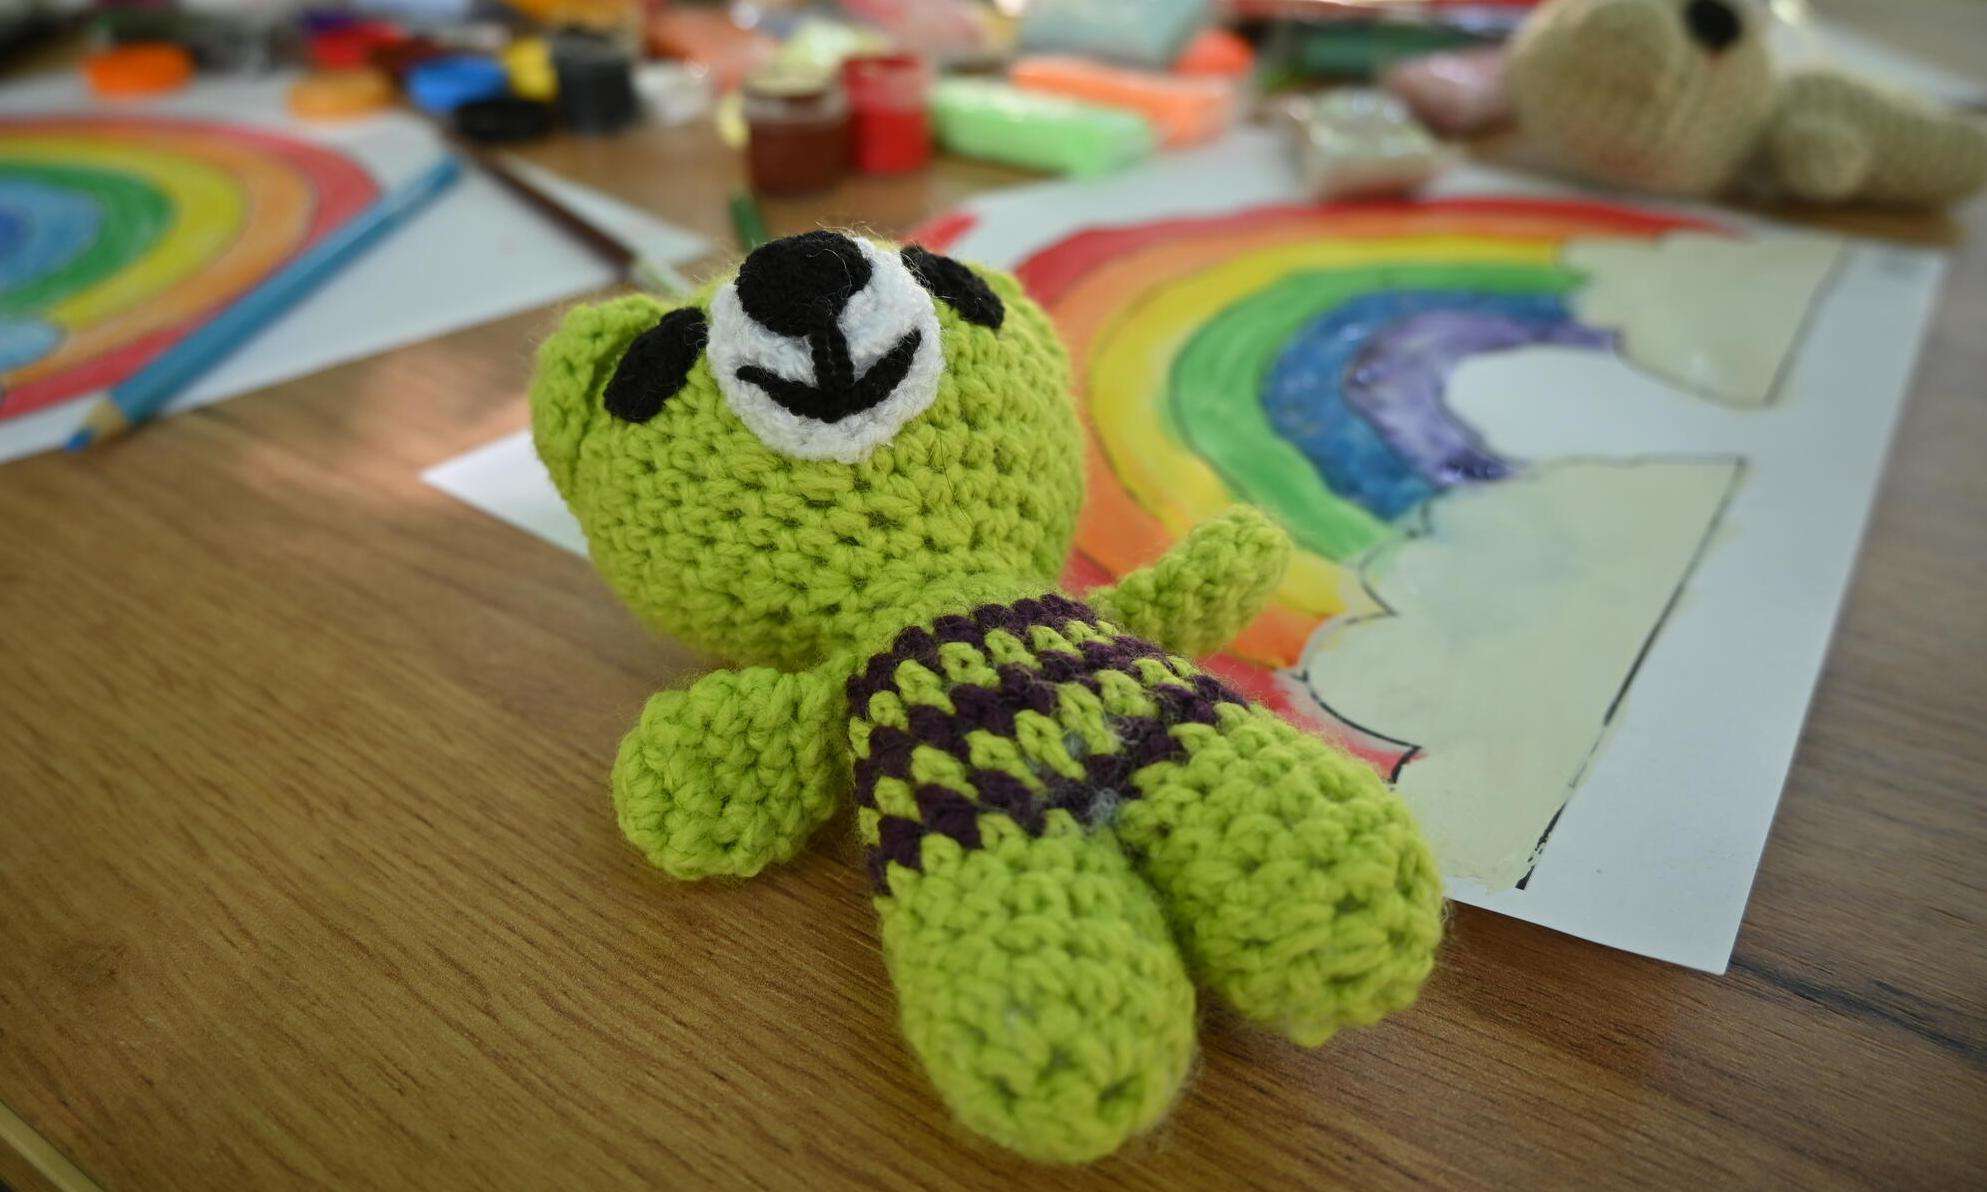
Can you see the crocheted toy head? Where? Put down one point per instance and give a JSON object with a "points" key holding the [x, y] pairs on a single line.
{"points": [[1680, 97], [1661, 95], [810, 447]]}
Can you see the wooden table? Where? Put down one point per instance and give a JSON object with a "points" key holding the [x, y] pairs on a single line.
{"points": [[307, 874]]}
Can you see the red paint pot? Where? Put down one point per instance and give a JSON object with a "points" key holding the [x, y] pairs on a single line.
{"points": [[889, 106]]}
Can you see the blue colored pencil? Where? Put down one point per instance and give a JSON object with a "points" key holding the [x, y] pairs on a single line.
{"points": [[144, 393]]}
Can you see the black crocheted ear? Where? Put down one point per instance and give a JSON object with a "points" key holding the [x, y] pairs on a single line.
{"points": [[957, 286], [656, 365]]}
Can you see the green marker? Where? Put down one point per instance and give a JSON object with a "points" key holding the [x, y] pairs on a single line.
{"points": [[746, 220]]}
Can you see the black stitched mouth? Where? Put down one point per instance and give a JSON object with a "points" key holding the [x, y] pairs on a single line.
{"points": [[839, 392]]}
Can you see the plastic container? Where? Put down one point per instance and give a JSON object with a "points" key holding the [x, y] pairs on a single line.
{"points": [[797, 139], [441, 85], [890, 112], [137, 70], [340, 94], [1359, 142], [998, 122], [1184, 110]]}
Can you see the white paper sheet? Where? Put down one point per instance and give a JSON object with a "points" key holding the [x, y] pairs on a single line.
{"points": [[1655, 851], [505, 480], [476, 254]]}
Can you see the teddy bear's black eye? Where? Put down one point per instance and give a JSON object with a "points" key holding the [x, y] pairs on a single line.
{"points": [[957, 286], [656, 365], [1713, 24]]}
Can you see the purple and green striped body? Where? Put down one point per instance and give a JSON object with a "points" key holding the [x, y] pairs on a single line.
{"points": [[1031, 711]]}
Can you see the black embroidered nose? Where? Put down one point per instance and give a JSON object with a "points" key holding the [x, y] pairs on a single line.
{"points": [[1713, 24], [800, 284]]}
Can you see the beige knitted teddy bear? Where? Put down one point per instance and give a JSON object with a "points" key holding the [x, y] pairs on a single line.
{"points": [[1680, 97]]}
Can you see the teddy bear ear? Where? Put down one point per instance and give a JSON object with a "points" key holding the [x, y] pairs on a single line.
{"points": [[565, 395], [956, 285], [656, 365]]}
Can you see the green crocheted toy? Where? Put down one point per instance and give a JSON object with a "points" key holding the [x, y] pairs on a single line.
{"points": [[856, 472], [1680, 97]]}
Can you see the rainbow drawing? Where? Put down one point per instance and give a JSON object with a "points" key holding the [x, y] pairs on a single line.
{"points": [[1299, 358], [120, 234]]}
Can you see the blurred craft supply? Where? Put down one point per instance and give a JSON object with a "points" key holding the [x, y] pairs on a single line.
{"points": [[221, 41], [425, 13], [709, 38], [504, 120], [890, 112], [1001, 122], [1357, 142], [935, 30], [1487, 18], [1361, 48], [595, 81], [1457, 93], [1184, 110], [138, 70], [528, 61], [673, 92], [351, 45], [441, 85], [747, 222], [474, 37], [1138, 32], [797, 138], [340, 94], [1219, 52], [602, 15], [143, 394], [819, 44], [399, 58]]}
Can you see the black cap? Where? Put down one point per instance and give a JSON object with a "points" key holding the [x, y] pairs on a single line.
{"points": [[596, 83]]}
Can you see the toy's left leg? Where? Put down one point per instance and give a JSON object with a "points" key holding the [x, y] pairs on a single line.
{"points": [[1297, 883], [1039, 985]]}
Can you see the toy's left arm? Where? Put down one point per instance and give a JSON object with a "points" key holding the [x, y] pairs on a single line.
{"points": [[1206, 589], [735, 772]]}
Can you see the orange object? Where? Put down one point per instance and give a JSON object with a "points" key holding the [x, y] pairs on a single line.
{"points": [[708, 38], [1183, 109], [140, 68], [340, 94], [1219, 52]]}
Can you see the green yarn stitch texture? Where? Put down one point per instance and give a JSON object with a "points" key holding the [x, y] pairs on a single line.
{"points": [[1044, 932]]}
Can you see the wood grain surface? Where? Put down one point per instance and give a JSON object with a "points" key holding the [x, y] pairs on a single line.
{"points": [[308, 875]]}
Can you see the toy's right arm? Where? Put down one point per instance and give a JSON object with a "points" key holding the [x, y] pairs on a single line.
{"points": [[735, 773]]}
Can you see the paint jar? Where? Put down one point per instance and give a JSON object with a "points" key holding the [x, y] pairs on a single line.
{"points": [[594, 75], [890, 116], [797, 126]]}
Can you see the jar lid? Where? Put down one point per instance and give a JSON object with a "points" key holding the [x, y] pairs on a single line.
{"points": [[788, 82]]}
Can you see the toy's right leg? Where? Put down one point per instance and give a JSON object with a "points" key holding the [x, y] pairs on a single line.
{"points": [[1300, 888], [1037, 979]]}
